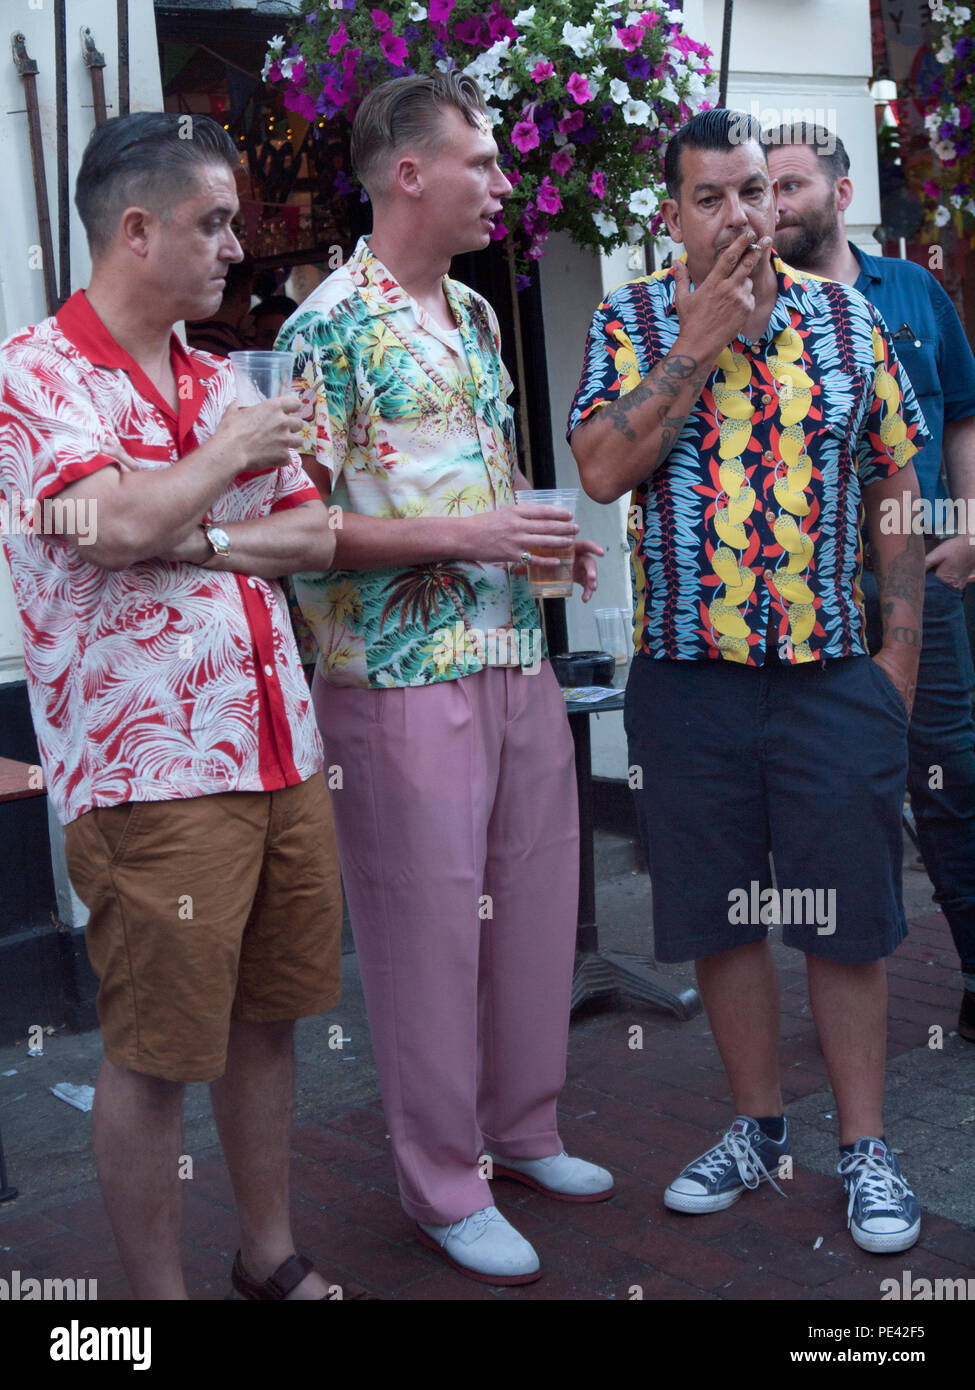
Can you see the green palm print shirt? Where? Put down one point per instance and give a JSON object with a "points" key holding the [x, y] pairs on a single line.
{"points": [[407, 427]]}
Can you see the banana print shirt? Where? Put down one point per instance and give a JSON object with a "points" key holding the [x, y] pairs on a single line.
{"points": [[409, 421], [755, 515]]}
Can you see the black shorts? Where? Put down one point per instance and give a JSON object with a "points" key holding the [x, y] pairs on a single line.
{"points": [[807, 762]]}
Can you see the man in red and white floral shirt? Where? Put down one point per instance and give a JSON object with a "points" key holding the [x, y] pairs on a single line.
{"points": [[172, 715]]}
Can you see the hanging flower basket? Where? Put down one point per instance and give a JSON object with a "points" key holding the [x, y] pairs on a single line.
{"points": [[949, 122], [582, 96]]}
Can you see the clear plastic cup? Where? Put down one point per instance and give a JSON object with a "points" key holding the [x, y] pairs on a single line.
{"points": [[552, 581], [262, 375], [612, 633]]}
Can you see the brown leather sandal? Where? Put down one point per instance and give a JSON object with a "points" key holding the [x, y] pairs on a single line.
{"points": [[285, 1278]]}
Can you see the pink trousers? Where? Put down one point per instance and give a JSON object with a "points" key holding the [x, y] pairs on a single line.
{"points": [[457, 827]]}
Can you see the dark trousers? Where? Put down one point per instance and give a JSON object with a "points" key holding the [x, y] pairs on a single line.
{"points": [[941, 748]]}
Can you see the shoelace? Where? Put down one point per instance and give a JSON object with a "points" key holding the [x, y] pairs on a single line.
{"points": [[481, 1217], [751, 1169], [871, 1176]]}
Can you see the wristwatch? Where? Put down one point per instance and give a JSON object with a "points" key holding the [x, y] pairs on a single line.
{"points": [[218, 538]]}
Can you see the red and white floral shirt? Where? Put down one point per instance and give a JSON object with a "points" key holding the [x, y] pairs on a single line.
{"points": [[164, 680]]}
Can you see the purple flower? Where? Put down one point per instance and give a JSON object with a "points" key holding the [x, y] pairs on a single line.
{"points": [[578, 89], [962, 48], [638, 67], [630, 38], [302, 103], [471, 31], [524, 137], [440, 11], [437, 49], [339, 39], [597, 184], [411, 33], [395, 49], [522, 282], [312, 19], [605, 111], [381, 20], [327, 70], [946, 130], [499, 25], [547, 196], [561, 162], [499, 231], [586, 135], [343, 184], [573, 121], [541, 71]]}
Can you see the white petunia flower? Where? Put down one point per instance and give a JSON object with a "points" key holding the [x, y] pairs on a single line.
{"points": [[598, 73], [932, 120], [558, 139], [417, 12], [505, 89], [961, 14], [605, 225], [525, 17], [494, 115], [945, 150], [636, 112], [619, 91], [668, 92], [941, 217], [955, 199], [286, 65], [579, 37], [276, 44], [696, 88], [946, 52], [643, 203]]}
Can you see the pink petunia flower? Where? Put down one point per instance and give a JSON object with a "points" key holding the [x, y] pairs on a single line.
{"points": [[932, 190], [648, 19], [574, 121], [547, 196], [298, 72], [525, 137], [541, 71], [394, 48], [440, 11], [381, 20], [579, 89], [597, 184], [513, 176], [499, 231], [302, 103], [561, 162], [631, 37], [339, 39]]}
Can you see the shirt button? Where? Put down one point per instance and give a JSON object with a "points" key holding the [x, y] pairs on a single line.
{"points": [[769, 575], [766, 399], [768, 456], [269, 670], [770, 518]]}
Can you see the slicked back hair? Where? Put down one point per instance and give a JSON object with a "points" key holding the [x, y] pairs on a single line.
{"points": [[717, 129], [148, 159], [405, 113], [834, 162]]}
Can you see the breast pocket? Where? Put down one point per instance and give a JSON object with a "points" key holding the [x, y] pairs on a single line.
{"points": [[920, 366]]}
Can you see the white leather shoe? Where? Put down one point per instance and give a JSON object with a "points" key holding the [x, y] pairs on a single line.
{"points": [[567, 1179], [484, 1246]]}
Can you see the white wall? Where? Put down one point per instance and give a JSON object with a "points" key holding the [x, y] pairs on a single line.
{"points": [[784, 58], [21, 286]]}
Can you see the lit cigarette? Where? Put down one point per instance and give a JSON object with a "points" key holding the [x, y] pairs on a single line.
{"points": [[754, 246]]}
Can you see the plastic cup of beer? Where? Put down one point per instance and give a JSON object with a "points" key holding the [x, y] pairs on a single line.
{"points": [[260, 376], [612, 633], [552, 581]]}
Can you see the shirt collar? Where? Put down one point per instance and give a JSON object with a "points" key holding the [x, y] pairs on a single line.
{"points": [[83, 328], [869, 266], [795, 287], [381, 293]]}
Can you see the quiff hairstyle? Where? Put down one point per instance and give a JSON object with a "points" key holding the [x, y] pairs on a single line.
{"points": [[404, 113], [148, 159]]}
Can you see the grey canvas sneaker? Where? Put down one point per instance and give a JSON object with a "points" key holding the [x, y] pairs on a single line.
{"points": [[744, 1158]]}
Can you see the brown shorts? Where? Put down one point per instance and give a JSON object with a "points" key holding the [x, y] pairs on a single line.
{"points": [[206, 910]]}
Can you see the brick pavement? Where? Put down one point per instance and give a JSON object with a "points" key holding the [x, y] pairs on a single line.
{"points": [[642, 1112]]}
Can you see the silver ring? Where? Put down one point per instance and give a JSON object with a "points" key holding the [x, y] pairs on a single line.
{"points": [[525, 557]]}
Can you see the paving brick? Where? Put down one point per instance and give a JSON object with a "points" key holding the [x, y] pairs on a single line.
{"points": [[318, 1182], [942, 1237], [771, 1252], [450, 1286], [333, 1145], [764, 1288], [19, 1229], [376, 1263], [682, 1255]]}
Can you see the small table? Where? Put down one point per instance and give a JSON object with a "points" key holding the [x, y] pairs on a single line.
{"points": [[598, 973]]}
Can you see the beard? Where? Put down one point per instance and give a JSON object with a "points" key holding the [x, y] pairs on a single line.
{"points": [[808, 243]]}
